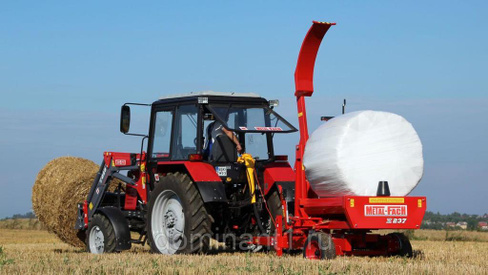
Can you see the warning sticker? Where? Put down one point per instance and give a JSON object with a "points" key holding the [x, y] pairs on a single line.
{"points": [[386, 200], [120, 162], [268, 129]]}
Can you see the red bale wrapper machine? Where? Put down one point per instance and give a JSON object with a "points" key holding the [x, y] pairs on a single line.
{"points": [[328, 226]]}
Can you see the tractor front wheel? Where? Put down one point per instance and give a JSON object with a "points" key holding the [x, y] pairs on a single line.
{"points": [[178, 221], [100, 237]]}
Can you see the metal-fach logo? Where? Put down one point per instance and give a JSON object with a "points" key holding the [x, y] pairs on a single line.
{"points": [[385, 210]]}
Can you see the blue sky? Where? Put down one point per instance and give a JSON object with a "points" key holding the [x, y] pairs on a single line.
{"points": [[67, 67]]}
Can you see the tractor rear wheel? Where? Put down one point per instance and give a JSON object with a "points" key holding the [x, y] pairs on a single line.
{"points": [[100, 237], [405, 245], [275, 208], [178, 221], [319, 245]]}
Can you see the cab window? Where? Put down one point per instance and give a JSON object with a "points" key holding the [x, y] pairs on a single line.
{"points": [[162, 134], [185, 132]]}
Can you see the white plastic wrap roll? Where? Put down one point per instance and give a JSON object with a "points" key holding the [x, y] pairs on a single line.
{"points": [[351, 153]]}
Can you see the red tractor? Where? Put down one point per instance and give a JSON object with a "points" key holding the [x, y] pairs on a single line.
{"points": [[191, 184]]}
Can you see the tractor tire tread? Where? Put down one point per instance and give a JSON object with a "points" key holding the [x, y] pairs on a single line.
{"points": [[196, 215], [275, 207]]}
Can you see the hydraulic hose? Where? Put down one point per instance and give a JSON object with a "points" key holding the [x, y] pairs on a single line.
{"points": [[258, 218]]}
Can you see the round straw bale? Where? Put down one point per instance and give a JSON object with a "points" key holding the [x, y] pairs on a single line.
{"points": [[59, 187]]}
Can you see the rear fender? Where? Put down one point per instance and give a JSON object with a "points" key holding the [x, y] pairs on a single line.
{"points": [[211, 191], [280, 173], [208, 183]]}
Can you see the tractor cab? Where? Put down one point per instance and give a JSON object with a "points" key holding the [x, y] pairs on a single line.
{"points": [[181, 127]]}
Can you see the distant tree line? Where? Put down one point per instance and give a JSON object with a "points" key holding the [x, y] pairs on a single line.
{"points": [[28, 215], [438, 221]]}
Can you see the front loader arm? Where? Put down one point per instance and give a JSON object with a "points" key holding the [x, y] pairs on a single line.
{"points": [[108, 170]]}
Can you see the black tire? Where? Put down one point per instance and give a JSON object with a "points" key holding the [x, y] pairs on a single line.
{"points": [[197, 225], [275, 207], [319, 245], [81, 234], [405, 245], [100, 224]]}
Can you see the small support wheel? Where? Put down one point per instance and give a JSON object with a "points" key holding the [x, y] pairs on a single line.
{"points": [[318, 246], [405, 249], [100, 237]]}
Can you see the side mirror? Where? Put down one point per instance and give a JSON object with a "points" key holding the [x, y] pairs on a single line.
{"points": [[125, 119]]}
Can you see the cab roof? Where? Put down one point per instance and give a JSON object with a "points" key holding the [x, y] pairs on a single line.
{"points": [[204, 97], [210, 93]]}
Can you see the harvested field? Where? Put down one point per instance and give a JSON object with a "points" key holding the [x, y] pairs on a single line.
{"points": [[443, 235], [37, 251]]}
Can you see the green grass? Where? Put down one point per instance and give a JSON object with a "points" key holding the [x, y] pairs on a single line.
{"points": [[3, 258]]}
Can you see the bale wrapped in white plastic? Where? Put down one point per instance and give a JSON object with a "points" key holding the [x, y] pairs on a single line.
{"points": [[351, 153]]}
